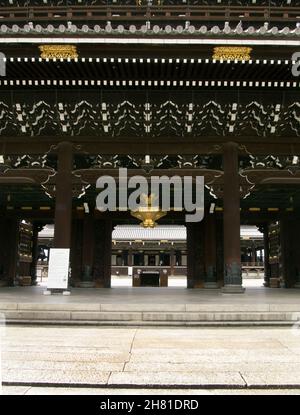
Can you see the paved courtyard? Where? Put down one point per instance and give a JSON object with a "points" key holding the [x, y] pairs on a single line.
{"points": [[107, 360]]}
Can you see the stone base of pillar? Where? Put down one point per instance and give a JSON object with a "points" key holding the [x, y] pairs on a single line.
{"points": [[198, 284], [211, 285], [297, 285], [87, 284], [100, 283], [233, 289]]}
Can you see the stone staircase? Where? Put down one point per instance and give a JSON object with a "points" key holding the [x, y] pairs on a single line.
{"points": [[151, 314]]}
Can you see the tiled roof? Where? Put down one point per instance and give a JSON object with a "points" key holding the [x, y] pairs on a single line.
{"points": [[251, 232], [167, 232], [161, 232], [224, 30]]}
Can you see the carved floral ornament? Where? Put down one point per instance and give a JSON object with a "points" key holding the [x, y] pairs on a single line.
{"points": [[232, 53], [58, 52]]}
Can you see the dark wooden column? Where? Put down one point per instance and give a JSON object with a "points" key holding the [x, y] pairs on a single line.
{"points": [[102, 253], [172, 261], [210, 252], [63, 200], [36, 228], [76, 252], [190, 254], [9, 239], [231, 217], [287, 258], [2, 256], [195, 255], [289, 250], [253, 253], [296, 253], [130, 257], [88, 241], [220, 251], [88, 238], [267, 270]]}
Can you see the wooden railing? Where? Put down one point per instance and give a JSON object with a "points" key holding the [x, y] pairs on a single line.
{"points": [[163, 13], [253, 267], [253, 264]]}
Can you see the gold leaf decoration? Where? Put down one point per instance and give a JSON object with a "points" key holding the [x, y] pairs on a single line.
{"points": [[232, 53], [58, 52], [148, 213]]}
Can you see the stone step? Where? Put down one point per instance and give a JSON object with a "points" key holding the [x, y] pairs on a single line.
{"points": [[152, 307], [149, 315]]}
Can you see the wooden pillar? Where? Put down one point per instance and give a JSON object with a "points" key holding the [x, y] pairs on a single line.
{"points": [[102, 253], [88, 241], [130, 257], [3, 275], [231, 217], [36, 228], [287, 257], [253, 253], [210, 252], [76, 252], [267, 270], [220, 251], [190, 254], [172, 261], [296, 253], [63, 199], [9, 239], [195, 255], [289, 250]]}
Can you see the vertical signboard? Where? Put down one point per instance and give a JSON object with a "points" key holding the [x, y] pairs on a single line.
{"points": [[58, 271]]}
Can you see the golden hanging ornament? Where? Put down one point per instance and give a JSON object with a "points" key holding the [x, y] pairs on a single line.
{"points": [[148, 213]]}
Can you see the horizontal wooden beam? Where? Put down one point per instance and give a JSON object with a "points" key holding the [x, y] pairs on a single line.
{"points": [[153, 146]]}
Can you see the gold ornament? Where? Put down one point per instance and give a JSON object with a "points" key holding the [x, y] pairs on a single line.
{"points": [[58, 52], [232, 53], [148, 214]]}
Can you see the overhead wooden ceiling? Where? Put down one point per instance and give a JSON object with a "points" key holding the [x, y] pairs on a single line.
{"points": [[147, 69]]}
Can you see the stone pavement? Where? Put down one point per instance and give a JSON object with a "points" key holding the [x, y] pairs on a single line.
{"points": [[29, 390], [204, 359]]}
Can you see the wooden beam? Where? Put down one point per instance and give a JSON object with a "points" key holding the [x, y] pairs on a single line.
{"points": [[164, 145]]}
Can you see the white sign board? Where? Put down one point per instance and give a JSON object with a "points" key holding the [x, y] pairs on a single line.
{"points": [[58, 271], [130, 270]]}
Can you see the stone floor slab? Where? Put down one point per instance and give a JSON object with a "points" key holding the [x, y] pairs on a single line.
{"points": [[32, 376], [207, 378], [204, 366], [20, 390], [111, 357], [272, 378], [58, 366]]}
